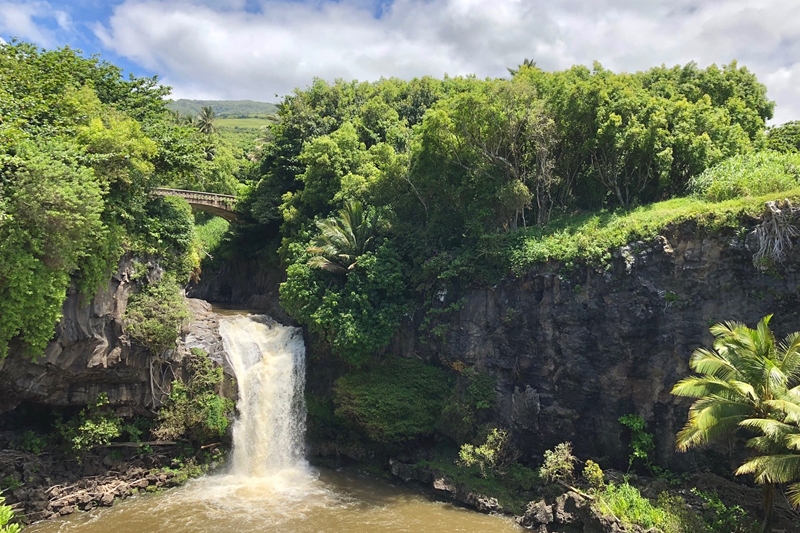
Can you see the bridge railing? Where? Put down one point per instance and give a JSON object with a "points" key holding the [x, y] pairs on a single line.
{"points": [[205, 197]]}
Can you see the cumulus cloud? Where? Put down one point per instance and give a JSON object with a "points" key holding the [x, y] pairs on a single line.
{"points": [[259, 48], [32, 21]]}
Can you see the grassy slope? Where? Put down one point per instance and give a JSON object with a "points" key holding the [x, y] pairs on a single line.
{"points": [[590, 237], [223, 107]]}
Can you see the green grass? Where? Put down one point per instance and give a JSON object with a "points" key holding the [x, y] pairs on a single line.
{"points": [[589, 238], [512, 489], [752, 174], [626, 503], [209, 234]]}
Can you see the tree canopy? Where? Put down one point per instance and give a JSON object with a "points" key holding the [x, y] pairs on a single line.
{"points": [[81, 147]]}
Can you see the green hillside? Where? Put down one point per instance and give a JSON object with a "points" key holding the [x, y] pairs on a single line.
{"points": [[223, 108]]}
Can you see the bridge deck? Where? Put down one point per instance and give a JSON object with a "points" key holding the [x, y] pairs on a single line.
{"points": [[221, 205]]}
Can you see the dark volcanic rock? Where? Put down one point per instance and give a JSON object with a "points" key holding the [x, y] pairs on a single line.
{"points": [[91, 354], [249, 284], [573, 350]]}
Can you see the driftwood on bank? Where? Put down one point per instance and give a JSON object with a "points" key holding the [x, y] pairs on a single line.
{"points": [[140, 444]]}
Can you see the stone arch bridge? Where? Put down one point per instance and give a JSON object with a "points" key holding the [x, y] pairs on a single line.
{"points": [[221, 205]]}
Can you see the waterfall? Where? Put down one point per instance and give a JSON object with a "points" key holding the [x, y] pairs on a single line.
{"points": [[269, 362]]}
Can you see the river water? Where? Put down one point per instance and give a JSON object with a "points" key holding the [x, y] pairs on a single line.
{"points": [[269, 486]]}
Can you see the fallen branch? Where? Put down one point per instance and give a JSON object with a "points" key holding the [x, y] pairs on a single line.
{"points": [[140, 444], [577, 491]]}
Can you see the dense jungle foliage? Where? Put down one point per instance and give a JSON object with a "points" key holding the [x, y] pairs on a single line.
{"points": [[389, 196], [81, 148]]}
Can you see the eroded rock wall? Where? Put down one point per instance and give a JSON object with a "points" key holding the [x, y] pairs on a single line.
{"points": [[90, 354], [573, 350]]}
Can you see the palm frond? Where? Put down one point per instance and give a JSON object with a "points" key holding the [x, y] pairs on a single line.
{"points": [[782, 468], [711, 363], [709, 419], [793, 494]]}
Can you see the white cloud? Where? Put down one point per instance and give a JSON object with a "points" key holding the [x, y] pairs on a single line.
{"points": [[17, 19], [217, 49]]}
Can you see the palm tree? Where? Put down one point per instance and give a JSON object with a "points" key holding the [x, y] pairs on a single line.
{"points": [[739, 381], [344, 238], [779, 444], [205, 120]]}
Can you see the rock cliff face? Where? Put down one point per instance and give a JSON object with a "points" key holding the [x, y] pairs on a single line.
{"points": [[573, 351], [91, 354], [245, 284]]}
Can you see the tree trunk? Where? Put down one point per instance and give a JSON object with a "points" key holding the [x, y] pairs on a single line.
{"points": [[769, 499]]}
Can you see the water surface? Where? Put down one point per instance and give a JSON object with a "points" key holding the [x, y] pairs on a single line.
{"points": [[290, 502]]}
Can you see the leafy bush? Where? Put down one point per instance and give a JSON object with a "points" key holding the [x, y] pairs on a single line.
{"points": [[512, 488], [209, 234], [626, 503], [356, 315], [719, 518], [31, 442], [166, 231], [155, 314], [194, 408], [559, 463], [6, 515], [593, 475], [399, 400], [641, 440], [95, 426], [496, 454], [752, 174]]}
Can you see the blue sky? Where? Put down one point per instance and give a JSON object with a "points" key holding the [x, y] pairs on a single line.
{"points": [[258, 49]]}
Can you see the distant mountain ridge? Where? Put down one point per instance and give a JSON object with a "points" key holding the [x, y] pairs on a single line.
{"points": [[223, 108]]}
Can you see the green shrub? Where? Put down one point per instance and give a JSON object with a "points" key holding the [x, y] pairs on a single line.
{"points": [[6, 515], [626, 503], [559, 463], [95, 426], [593, 475], [166, 231], [209, 234], [356, 314], [753, 174], [641, 440], [155, 314], [194, 409], [399, 400], [719, 518], [496, 454], [31, 442]]}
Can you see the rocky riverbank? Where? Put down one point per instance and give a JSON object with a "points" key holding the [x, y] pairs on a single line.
{"points": [[50, 484]]}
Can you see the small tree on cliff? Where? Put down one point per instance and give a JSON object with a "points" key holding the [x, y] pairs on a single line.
{"points": [[739, 380], [341, 240]]}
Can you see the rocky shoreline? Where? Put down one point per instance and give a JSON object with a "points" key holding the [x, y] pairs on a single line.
{"points": [[45, 486]]}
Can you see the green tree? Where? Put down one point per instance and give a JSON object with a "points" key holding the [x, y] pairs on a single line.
{"points": [[343, 239], [206, 121], [738, 380], [784, 138], [778, 444]]}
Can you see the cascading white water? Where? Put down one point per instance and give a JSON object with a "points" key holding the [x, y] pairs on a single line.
{"points": [[269, 362]]}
